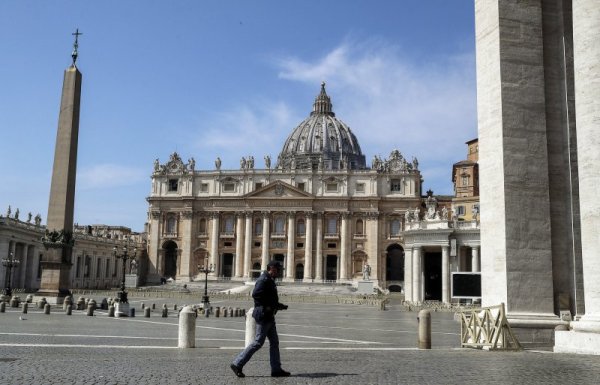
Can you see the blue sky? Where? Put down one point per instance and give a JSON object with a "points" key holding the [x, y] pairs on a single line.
{"points": [[227, 79]]}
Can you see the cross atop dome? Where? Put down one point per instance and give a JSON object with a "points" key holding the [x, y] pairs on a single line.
{"points": [[322, 103]]}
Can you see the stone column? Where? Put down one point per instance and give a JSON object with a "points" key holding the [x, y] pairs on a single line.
{"points": [[185, 268], [291, 238], [4, 251], [153, 248], [319, 249], [308, 256], [344, 247], [586, 34], [373, 245], [475, 259], [514, 159], [248, 245], [265, 241], [417, 294], [214, 244], [446, 274], [239, 239], [408, 276]]}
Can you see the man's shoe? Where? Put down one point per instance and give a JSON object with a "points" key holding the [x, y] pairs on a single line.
{"points": [[237, 370], [280, 373]]}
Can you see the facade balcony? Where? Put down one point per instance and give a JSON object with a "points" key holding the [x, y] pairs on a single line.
{"points": [[278, 236], [227, 235], [170, 235], [360, 236], [332, 236], [202, 235]]}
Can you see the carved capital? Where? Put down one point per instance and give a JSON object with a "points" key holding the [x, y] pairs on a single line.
{"points": [[265, 214], [155, 214], [372, 215], [187, 214]]}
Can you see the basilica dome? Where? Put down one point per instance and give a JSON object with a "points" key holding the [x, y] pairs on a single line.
{"points": [[321, 141]]}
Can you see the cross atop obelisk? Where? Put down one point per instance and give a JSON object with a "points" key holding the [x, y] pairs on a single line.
{"points": [[75, 45], [58, 240]]}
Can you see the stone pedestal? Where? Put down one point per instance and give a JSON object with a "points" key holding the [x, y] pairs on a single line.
{"points": [[364, 287], [131, 280], [121, 309]]}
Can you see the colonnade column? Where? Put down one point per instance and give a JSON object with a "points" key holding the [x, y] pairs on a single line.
{"points": [[214, 244], [445, 274], [408, 276], [416, 274], [248, 246], [265, 241], [475, 259], [291, 238], [586, 51], [308, 273], [319, 249], [153, 248], [344, 248], [239, 238]]}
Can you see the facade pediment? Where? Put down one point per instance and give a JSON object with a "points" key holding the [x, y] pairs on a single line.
{"points": [[279, 189]]}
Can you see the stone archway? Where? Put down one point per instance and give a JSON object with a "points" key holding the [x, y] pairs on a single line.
{"points": [[170, 253]]}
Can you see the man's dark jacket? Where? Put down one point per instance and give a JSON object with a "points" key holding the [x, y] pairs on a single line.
{"points": [[266, 300]]}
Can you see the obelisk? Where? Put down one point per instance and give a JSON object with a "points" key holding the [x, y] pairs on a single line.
{"points": [[58, 240]]}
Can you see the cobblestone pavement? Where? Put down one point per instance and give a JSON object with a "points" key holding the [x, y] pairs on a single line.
{"points": [[320, 344]]}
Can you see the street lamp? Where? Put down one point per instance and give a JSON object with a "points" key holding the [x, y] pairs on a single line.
{"points": [[122, 295], [10, 263], [206, 270]]}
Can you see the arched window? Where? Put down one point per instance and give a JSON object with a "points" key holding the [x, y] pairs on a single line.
{"points": [[279, 225], [171, 225], [257, 227], [395, 227], [300, 227], [202, 226], [332, 225], [359, 227]]}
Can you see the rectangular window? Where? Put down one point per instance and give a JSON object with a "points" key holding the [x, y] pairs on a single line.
{"points": [[460, 210], [395, 227], [301, 186], [299, 245], [256, 244], [360, 187], [204, 187], [257, 185], [332, 187], [331, 245], [227, 244], [173, 183], [229, 187], [465, 180], [395, 185], [332, 226], [86, 271]]}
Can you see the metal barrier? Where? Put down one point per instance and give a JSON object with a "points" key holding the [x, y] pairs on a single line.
{"points": [[487, 328]]}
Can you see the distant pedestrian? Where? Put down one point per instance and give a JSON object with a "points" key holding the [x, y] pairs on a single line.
{"points": [[266, 305]]}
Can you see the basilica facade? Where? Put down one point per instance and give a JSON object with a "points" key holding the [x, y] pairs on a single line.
{"points": [[319, 209]]}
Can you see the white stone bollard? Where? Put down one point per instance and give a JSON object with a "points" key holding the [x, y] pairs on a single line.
{"points": [[187, 328], [250, 327]]}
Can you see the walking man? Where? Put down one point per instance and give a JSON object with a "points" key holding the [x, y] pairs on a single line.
{"points": [[266, 305]]}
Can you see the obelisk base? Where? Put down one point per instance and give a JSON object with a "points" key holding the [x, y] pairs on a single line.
{"points": [[55, 281]]}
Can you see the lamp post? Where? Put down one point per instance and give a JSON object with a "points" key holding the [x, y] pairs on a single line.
{"points": [[10, 263], [206, 269], [122, 295]]}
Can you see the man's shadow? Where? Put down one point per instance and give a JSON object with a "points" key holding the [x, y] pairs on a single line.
{"points": [[321, 375]]}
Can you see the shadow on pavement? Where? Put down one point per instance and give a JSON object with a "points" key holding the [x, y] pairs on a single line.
{"points": [[321, 375]]}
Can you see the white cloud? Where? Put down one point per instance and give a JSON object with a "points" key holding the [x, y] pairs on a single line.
{"points": [[427, 110], [107, 175]]}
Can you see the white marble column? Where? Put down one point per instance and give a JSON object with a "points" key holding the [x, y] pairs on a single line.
{"points": [[475, 259], [417, 293], [4, 252], [319, 249], [586, 34], [344, 247], [308, 256], [239, 239], [265, 241], [214, 244], [291, 238], [185, 269], [153, 248], [248, 246], [373, 246], [408, 277], [445, 274]]}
